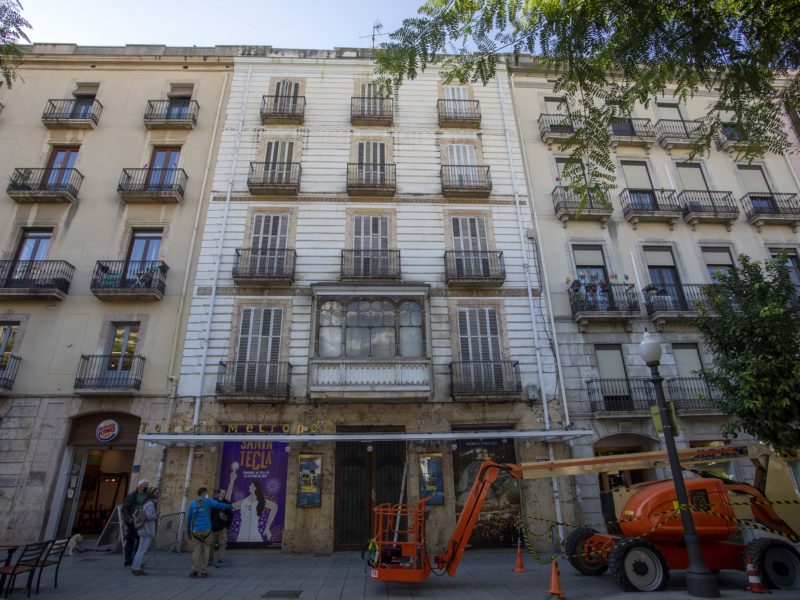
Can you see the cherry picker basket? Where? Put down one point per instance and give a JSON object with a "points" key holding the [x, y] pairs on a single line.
{"points": [[398, 550]]}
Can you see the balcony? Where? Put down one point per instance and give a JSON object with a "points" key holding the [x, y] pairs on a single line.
{"points": [[109, 374], [371, 179], [732, 138], [556, 128], [693, 396], [9, 363], [653, 206], [254, 381], [485, 268], [703, 206], [129, 280], [466, 181], [152, 185], [75, 113], [568, 206], [464, 114], [35, 279], [264, 266], [675, 133], [603, 303], [371, 111], [370, 264], [631, 397], [481, 381], [772, 209], [370, 379], [283, 110], [632, 132], [270, 178], [45, 185], [171, 114], [671, 302]]}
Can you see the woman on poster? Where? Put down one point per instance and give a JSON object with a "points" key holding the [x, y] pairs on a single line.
{"points": [[251, 508]]}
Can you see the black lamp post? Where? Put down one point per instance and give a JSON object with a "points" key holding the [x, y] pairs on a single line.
{"points": [[700, 581]]}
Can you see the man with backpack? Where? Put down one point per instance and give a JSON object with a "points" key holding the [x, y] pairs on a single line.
{"points": [[198, 529], [133, 502], [220, 521]]}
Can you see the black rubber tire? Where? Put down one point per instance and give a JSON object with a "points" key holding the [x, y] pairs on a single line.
{"points": [[574, 548], [617, 565], [777, 563]]}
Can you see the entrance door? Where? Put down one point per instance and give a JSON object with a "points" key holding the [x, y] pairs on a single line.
{"points": [[363, 481]]}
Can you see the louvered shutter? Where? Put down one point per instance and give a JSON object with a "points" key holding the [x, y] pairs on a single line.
{"points": [[257, 363], [479, 341], [456, 97], [268, 244], [372, 98], [286, 94], [278, 160], [370, 244], [470, 246], [461, 158], [372, 163]]}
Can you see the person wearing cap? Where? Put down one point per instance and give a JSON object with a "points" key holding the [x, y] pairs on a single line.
{"points": [[146, 530], [133, 502]]}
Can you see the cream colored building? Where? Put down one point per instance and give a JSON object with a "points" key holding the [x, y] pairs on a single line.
{"points": [[104, 154]]}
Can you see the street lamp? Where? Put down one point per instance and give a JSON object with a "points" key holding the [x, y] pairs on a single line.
{"points": [[700, 581]]}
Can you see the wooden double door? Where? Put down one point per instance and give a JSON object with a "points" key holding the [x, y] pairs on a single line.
{"points": [[364, 480]]}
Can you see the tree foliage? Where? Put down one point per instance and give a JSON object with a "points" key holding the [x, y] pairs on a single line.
{"points": [[606, 56], [12, 26], [752, 326]]}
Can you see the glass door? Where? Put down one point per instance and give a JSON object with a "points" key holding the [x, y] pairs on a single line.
{"points": [[62, 160], [163, 165], [120, 354], [142, 257], [31, 251]]}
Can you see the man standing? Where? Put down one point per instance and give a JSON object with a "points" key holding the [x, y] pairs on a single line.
{"points": [[198, 529], [220, 521], [130, 505]]}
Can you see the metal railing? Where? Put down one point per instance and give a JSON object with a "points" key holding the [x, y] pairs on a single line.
{"points": [[564, 199], [633, 394], [466, 177], [153, 180], [46, 180], [368, 107], [129, 275], [72, 109], [254, 377], [693, 393], [558, 124], [278, 174], [172, 110], [482, 264], [603, 297], [168, 533], [628, 127], [677, 129], [764, 203], [648, 200], [283, 107], [111, 372], [9, 363], [485, 377], [458, 110], [705, 201], [371, 176], [366, 264], [265, 263], [36, 274], [681, 297]]}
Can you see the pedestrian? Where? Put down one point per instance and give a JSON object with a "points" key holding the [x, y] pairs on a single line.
{"points": [[130, 505], [220, 521], [198, 530], [146, 520]]}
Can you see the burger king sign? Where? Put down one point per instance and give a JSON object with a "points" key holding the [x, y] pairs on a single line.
{"points": [[107, 430]]}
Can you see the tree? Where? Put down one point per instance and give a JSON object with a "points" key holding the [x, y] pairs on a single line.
{"points": [[751, 324], [608, 55], [11, 32]]}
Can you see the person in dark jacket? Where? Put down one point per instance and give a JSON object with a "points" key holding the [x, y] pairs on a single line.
{"points": [[220, 521], [133, 502]]}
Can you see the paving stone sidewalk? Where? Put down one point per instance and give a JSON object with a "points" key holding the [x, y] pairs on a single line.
{"points": [[256, 575]]}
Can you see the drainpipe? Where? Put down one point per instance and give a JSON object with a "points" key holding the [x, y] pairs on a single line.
{"points": [[526, 264]]}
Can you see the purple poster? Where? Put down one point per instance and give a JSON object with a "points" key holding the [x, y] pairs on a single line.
{"points": [[254, 475]]}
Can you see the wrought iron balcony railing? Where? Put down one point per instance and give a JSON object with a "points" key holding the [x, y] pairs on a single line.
{"points": [[371, 179], [622, 128], [704, 206], [283, 109], [769, 204], [485, 377], [474, 266], [642, 204], [601, 298], [459, 113], [557, 126], [676, 133], [567, 205], [174, 113], [35, 278], [9, 364], [629, 395], [152, 185], [274, 177], [255, 378], [42, 185], [124, 280], [349, 378], [693, 394], [109, 373], [72, 112], [683, 297], [368, 110], [370, 264], [263, 265], [466, 180]]}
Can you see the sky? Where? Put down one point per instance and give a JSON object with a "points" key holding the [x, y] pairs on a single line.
{"points": [[322, 24]]}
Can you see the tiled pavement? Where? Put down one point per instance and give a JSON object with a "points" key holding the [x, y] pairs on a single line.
{"points": [[253, 575]]}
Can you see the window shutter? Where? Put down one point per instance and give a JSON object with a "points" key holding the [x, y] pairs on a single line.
{"points": [[687, 359], [259, 334], [658, 257], [270, 231], [717, 256], [461, 154], [610, 363], [669, 111], [469, 234], [588, 256], [479, 336], [754, 179], [636, 175], [692, 177]]}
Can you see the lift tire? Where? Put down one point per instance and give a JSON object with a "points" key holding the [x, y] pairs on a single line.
{"points": [[777, 563], [575, 553], [638, 566]]}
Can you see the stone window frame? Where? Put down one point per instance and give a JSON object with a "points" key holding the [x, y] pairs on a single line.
{"points": [[349, 213], [386, 139], [475, 141], [107, 328], [487, 215], [502, 325], [127, 236], [18, 229], [236, 321], [267, 136], [273, 84], [291, 233]]}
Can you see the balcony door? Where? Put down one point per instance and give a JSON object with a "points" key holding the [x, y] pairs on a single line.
{"points": [[756, 184], [479, 345], [82, 107], [258, 350], [370, 245], [667, 291], [614, 384], [57, 174], [287, 94], [268, 244], [8, 332], [278, 159], [163, 164], [372, 97], [372, 163], [462, 165], [590, 266], [455, 101], [718, 261], [32, 249], [142, 259], [639, 184], [471, 246], [120, 353], [178, 107]]}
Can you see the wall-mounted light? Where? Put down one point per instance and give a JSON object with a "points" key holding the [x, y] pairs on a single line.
{"points": [[370, 448]]}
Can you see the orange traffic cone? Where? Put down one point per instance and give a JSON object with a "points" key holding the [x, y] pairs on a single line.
{"points": [[555, 584], [519, 567], [755, 586]]}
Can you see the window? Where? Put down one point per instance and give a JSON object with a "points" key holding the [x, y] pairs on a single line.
{"points": [[455, 100], [592, 277], [470, 244], [122, 349], [162, 172], [669, 110], [757, 186], [142, 259], [614, 386], [718, 260], [687, 359], [665, 284], [85, 95], [372, 99], [286, 99], [268, 243], [792, 261], [32, 248], [58, 173], [639, 185], [555, 106], [370, 328], [371, 169], [180, 97], [479, 345], [8, 331], [692, 178], [462, 164], [258, 350], [278, 168], [370, 242]]}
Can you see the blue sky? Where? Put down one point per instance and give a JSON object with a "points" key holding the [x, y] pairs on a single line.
{"points": [[286, 23]]}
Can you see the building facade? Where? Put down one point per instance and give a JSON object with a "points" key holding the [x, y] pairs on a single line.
{"points": [[105, 153]]}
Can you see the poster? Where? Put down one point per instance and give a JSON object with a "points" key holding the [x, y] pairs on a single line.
{"points": [[254, 475], [431, 482], [309, 490], [495, 527]]}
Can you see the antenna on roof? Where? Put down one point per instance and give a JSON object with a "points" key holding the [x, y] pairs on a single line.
{"points": [[377, 26]]}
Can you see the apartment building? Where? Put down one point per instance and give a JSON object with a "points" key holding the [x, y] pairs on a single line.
{"points": [[103, 155], [613, 272]]}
